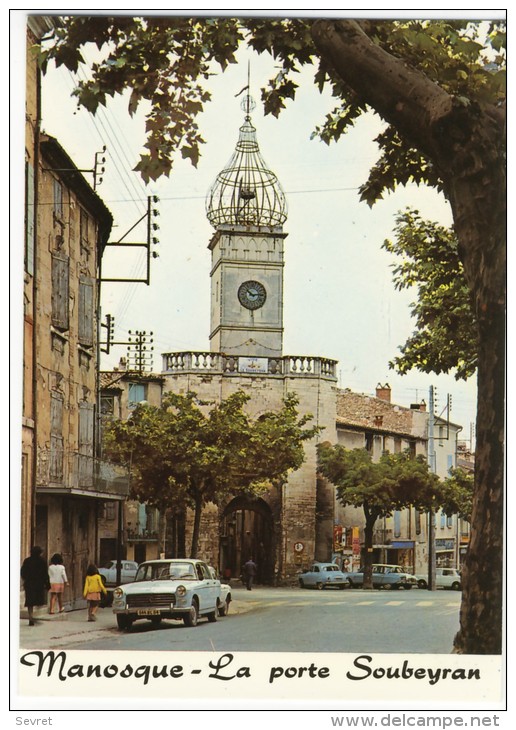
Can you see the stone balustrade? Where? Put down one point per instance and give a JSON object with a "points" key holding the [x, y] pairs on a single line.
{"points": [[292, 366]]}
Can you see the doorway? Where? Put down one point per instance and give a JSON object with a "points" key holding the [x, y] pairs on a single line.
{"points": [[247, 530]]}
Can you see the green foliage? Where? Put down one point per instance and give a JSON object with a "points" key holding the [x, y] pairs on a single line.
{"points": [[457, 494], [395, 482], [164, 61], [446, 333], [185, 454]]}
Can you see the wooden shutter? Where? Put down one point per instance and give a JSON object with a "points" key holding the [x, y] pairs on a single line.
{"points": [[29, 218], [86, 428], [60, 290], [56, 437], [86, 310]]}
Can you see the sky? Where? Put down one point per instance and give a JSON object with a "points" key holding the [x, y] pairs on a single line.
{"points": [[339, 297]]}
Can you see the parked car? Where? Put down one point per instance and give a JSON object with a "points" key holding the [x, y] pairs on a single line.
{"points": [[171, 588], [225, 594], [108, 572], [384, 576], [323, 575], [444, 578]]}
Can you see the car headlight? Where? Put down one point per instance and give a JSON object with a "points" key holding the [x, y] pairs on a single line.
{"points": [[118, 593], [180, 591]]}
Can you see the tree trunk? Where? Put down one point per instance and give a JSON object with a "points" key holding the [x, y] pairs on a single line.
{"points": [[467, 144], [196, 526], [368, 547]]}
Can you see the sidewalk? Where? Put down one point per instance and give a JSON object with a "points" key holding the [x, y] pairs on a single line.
{"points": [[56, 631]]}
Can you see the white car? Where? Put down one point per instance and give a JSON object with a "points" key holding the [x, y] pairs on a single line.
{"points": [[444, 578], [108, 572], [225, 594], [176, 588]]}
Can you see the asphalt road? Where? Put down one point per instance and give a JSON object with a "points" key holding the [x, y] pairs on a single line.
{"points": [[287, 620]]}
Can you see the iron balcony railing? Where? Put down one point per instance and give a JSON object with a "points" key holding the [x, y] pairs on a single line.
{"points": [[74, 472], [219, 363], [140, 535]]}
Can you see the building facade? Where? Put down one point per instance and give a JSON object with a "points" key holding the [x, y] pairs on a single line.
{"points": [[64, 483]]}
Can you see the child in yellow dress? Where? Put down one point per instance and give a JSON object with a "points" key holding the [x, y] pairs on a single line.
{"points": [[93, 587]]}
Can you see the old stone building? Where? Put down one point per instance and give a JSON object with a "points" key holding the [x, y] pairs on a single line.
{"points": [[64, 483], [131, 528], [288, 527]]}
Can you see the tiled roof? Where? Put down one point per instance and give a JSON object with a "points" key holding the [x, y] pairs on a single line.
{"points": [[358, 410]]}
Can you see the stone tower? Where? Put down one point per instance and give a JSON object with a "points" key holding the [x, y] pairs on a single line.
{"points": [[289, 525], [247, 207]]}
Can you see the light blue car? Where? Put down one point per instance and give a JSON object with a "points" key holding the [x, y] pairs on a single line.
{"points": [[323, 575], [390, 577]]}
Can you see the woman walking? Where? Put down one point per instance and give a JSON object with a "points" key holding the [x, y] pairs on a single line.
{"points": [[58, 580], [93, 587], [34, 572]]}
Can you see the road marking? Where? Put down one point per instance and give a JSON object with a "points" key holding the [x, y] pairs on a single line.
{"points": [[394, 603], [425, 603], [365, 603]]}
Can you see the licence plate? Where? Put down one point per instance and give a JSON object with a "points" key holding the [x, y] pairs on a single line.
{"points": [[148, 612]]}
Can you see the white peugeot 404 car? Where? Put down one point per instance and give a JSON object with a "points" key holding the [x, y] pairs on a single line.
{"points": [[172, 588]]}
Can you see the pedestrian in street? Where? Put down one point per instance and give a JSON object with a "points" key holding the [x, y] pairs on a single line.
{"points": [[36, 583], [93, 588], [58, 581], [249, 573]]}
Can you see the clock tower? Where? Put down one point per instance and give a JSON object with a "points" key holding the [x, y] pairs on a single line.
{"points": [[247, 207]]}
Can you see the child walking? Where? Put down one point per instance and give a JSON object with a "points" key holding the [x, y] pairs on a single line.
{"points": [[93, 587], [58, 580]]}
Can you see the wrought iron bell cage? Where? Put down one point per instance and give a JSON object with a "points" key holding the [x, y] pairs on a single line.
{"points": [[246, 192]]}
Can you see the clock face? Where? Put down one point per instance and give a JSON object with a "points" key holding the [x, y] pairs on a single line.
{"points": [[252, 294]]}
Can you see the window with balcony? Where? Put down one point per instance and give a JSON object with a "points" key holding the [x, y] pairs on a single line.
{"points": [[56, 437]]}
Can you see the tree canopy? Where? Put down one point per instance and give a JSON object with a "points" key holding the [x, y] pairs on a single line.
{"points": [[446, 334], [186, 454], [439, 86], [164, 60], [457, 494], [395, 482]]}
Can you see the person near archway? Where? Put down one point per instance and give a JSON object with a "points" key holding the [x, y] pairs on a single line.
{"points": [[249, 573]]}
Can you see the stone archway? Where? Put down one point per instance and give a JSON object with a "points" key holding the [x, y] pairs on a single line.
{"points": [[247, 529]]}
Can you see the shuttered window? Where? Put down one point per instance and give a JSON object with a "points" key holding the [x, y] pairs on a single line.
{"points": [[29, 218], [86, 432], [58, 199], [56, 437], [86, 426], [86, 310], [60, 290]]}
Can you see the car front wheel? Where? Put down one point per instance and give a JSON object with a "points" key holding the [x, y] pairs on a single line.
{"points": [[124, 621], [455, 586], [319, 586], [407, 586], [192, 616], [224, 608]]}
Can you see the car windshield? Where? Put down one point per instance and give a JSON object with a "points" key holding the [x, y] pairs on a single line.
{"points": [[174, 571], [109, 564]]}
